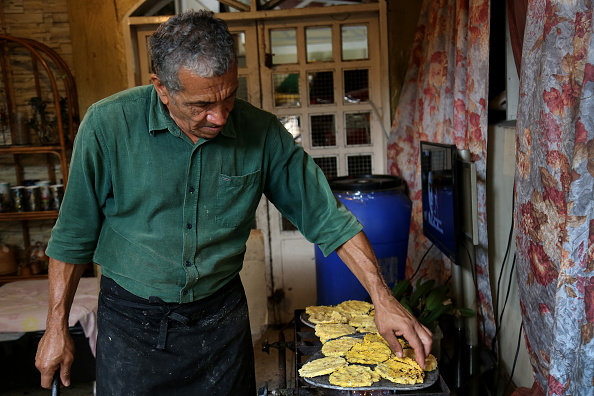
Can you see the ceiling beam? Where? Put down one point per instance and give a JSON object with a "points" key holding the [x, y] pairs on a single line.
{"points": [[236, 4]]}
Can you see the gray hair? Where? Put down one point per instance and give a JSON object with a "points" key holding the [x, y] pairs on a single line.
{"points": [[195, 40]]}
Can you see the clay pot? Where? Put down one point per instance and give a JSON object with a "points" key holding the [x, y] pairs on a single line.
{"points": [[38, 261], [8, 260]]}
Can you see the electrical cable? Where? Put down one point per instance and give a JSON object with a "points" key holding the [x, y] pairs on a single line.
{"points": [[498, 328], [511, 376], [509, 239], [474, 280], [508, 288], [507, 294], [377, 114], [496, 297], [503, 264], [421, 262]]}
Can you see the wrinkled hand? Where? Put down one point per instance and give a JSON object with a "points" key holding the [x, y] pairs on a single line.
{"points": [[55, 350], [392, 320]]}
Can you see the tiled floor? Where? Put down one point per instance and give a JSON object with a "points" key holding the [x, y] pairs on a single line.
{"points": [[266, 369], [267, 364]]}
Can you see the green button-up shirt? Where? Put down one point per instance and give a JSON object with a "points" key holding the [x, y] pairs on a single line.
{"points": [[165, 217]]}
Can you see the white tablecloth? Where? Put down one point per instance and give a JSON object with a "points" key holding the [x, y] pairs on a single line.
{"points": [[24, 306]]}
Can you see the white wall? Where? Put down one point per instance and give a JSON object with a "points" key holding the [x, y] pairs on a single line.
{"points": [[512, 79], [501, 158], [253, 277]]}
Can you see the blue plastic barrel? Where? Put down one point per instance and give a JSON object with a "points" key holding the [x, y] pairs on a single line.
{"points": [[381, 203]]}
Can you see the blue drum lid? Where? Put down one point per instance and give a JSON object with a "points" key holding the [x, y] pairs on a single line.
{"points": [[368, 183]]}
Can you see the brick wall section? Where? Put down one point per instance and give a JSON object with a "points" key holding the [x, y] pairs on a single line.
{"points": [[43, 20]]}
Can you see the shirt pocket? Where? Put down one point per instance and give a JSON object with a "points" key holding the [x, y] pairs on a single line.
{"points": [[237, 199]]}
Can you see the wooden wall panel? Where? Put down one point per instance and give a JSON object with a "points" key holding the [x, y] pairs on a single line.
{"points": [[403, 16], [98, 48]]}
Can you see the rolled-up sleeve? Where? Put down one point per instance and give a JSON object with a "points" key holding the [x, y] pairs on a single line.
{"points": [[299, 190]]}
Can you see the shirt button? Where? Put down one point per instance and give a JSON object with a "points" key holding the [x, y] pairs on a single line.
{"points": [[188, 226], [185, 292], [192, 190], [188, 264]]}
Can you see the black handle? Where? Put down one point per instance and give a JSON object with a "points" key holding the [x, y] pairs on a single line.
{"points": [[56, 383]]}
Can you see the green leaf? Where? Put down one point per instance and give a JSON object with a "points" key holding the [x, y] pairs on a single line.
{"points": [[433, 316], [422, 290], [436, 297], [466, 311], [418, 284], [399, 288], [449, 309], [405, 301]]}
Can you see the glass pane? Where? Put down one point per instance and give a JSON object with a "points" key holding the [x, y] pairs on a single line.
{"points": [[283, 44], [242, 89], [328, 165], [357, 128], [293, 125], [323, 130], [359, 165], [239, 39], [321, 87], [286, 89], [319, 44], [354, 42], [356, 86]]}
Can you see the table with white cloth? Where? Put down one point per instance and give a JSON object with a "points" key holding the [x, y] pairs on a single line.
{"points": [[24, 307]]}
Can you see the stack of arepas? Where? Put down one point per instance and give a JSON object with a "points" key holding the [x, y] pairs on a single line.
{"points": [[354, 353]]}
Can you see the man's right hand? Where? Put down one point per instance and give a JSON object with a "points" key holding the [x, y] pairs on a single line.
{"points": [[55, 351], [56, 348]]}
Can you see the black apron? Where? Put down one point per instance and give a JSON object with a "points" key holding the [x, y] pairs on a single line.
{"points": [[149, 347]]}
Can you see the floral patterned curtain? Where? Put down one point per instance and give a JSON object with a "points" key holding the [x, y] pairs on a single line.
{"points": [[554, 207], [444, 100]]}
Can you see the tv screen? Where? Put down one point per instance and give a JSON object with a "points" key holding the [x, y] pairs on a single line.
{"points": [[439, 196]]}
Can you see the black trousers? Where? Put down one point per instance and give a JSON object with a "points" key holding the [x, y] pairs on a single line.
{"points": [[148, 347]]}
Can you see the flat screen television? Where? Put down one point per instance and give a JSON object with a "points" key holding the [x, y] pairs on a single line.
{"points": [[440, 196]]}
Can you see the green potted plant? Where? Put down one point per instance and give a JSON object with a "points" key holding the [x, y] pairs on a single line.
{"points": [[428, 302]]}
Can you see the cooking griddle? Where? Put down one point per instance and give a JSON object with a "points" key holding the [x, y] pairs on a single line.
{"points": [[382, 385], [323, 381]]}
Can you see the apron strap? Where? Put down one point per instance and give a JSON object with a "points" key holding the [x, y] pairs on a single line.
{"points": [[155, 304], [168, 315]]}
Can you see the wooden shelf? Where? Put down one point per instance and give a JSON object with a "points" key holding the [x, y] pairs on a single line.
{"points": [[40, 215], [47, 97], [30, 149]]}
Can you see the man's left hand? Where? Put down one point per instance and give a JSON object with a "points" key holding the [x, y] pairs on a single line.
{"points": [[393, 320]]}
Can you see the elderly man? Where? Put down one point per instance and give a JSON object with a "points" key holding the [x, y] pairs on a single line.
{"points": [[164, 184]]}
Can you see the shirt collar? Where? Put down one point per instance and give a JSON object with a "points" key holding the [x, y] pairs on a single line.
{"points": [[160, 120]]}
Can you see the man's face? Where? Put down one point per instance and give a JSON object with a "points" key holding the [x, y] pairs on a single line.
{"points": [[201, 108]]}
